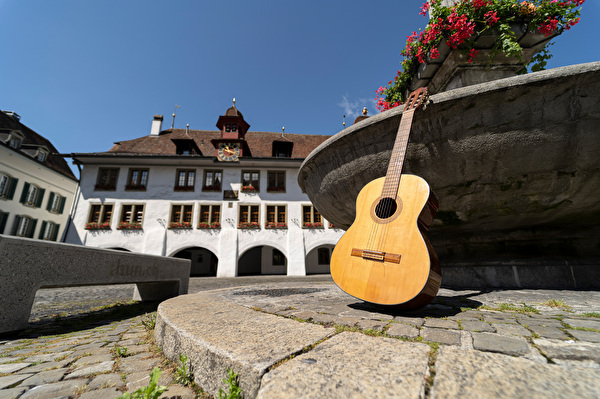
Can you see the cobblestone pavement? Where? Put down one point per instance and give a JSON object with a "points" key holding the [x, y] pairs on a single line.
{"points": [[70, 349]]}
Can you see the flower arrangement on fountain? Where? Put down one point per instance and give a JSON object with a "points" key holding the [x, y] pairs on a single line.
{"points": [[460, 25], [205, 225]]}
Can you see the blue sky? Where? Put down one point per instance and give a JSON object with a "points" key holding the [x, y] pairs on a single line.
{"points": [[88, 73]]}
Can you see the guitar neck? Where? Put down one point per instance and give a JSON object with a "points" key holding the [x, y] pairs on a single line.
{"points": [[394, 171]]}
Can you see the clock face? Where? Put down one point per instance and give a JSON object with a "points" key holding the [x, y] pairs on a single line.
{"points": [[228, 152]]}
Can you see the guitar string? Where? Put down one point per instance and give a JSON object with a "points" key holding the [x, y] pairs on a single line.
{"points": [[396, 172], [396, 175]]}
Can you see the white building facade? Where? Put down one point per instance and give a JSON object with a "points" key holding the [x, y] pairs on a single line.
{"points": [[37, 186], [227, 200]]}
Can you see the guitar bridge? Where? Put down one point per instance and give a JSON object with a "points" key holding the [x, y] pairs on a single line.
{"points": [[379, 256]]}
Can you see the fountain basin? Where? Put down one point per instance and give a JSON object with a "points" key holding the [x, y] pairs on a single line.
{"points": [[516, 166]]}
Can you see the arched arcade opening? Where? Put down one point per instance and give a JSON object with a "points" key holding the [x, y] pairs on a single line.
{"points": [[204, 262], [263, 259], [317, 261]]}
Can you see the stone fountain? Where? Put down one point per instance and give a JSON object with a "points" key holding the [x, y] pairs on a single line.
{"points": [[515, 163]]}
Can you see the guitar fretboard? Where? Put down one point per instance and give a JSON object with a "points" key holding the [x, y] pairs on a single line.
{"points": [[394, 171]]}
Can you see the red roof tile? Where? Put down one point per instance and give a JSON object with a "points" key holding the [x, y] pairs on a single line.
{"points": [[260, 143]]}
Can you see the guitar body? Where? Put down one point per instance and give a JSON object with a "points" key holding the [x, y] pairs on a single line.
{"points": [[385, 256]]}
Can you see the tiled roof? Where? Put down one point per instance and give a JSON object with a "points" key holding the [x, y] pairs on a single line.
{"points": [[260, 143], [32, 140]]}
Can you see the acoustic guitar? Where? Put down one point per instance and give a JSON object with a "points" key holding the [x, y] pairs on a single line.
{"points": [[385, 256]]}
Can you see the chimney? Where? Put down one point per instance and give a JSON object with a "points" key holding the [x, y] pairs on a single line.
{"points": [[156, 125]]}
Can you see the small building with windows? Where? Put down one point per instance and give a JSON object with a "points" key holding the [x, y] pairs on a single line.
{"points": [[37, 186], [227, 199]]}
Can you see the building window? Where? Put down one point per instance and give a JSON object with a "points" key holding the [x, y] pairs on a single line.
{"points": [[276, 217], [212, 180], [276, 181], [41, 156], [230, 127], [185, 180], [3, 219], [210, 217], [181, 216], [137, 180], [186, 147], [56, 203], [7, 186], [131, 216], [323, 255], [100, 216], [282, 149], [311, 218], [32, 195], [107, 179], [249, 217], [49, 231], [15, 142], [278, 258], [250, 181], [24, 226]]}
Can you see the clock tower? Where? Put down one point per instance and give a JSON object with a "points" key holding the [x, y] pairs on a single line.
{"points": [[232, 143]]}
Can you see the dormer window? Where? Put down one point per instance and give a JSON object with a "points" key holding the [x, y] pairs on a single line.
{"points": [[14, 138], [15, 142], [186, 147], [282, 149], [42, 155]]}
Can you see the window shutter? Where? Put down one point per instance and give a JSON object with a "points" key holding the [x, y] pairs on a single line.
{"points": [[24, 193], [32, 228], [62, 205], [55, 232], [40, 197], [3, 219], [15, 225], [12, 188], [42, 229], [50, 200]]}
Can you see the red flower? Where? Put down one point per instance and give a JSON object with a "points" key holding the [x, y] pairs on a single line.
{"points": [[491, 17], [480, 3], [472, 54]]}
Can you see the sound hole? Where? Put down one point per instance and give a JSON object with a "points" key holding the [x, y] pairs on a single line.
{"points": [[386, 208]]}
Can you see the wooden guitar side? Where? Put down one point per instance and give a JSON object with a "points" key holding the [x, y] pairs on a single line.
{"points": [[410, 276]]}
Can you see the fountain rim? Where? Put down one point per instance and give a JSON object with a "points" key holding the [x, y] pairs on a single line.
{"points": [[450, 96]]}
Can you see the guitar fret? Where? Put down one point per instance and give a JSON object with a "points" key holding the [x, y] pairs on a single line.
{"points": [[394, 172]]}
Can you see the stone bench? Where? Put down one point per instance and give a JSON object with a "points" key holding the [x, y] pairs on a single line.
{"points": [[27, 265]]}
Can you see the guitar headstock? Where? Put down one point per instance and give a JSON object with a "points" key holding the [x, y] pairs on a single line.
{"points": [[415, 98]]}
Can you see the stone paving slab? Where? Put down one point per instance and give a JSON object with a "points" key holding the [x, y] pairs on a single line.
{"points": [[464, 373], [217, 334], [352, 365], [315, 302]]}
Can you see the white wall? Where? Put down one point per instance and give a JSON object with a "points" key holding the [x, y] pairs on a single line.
{"points": [[27, 170], [227, 243]]}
